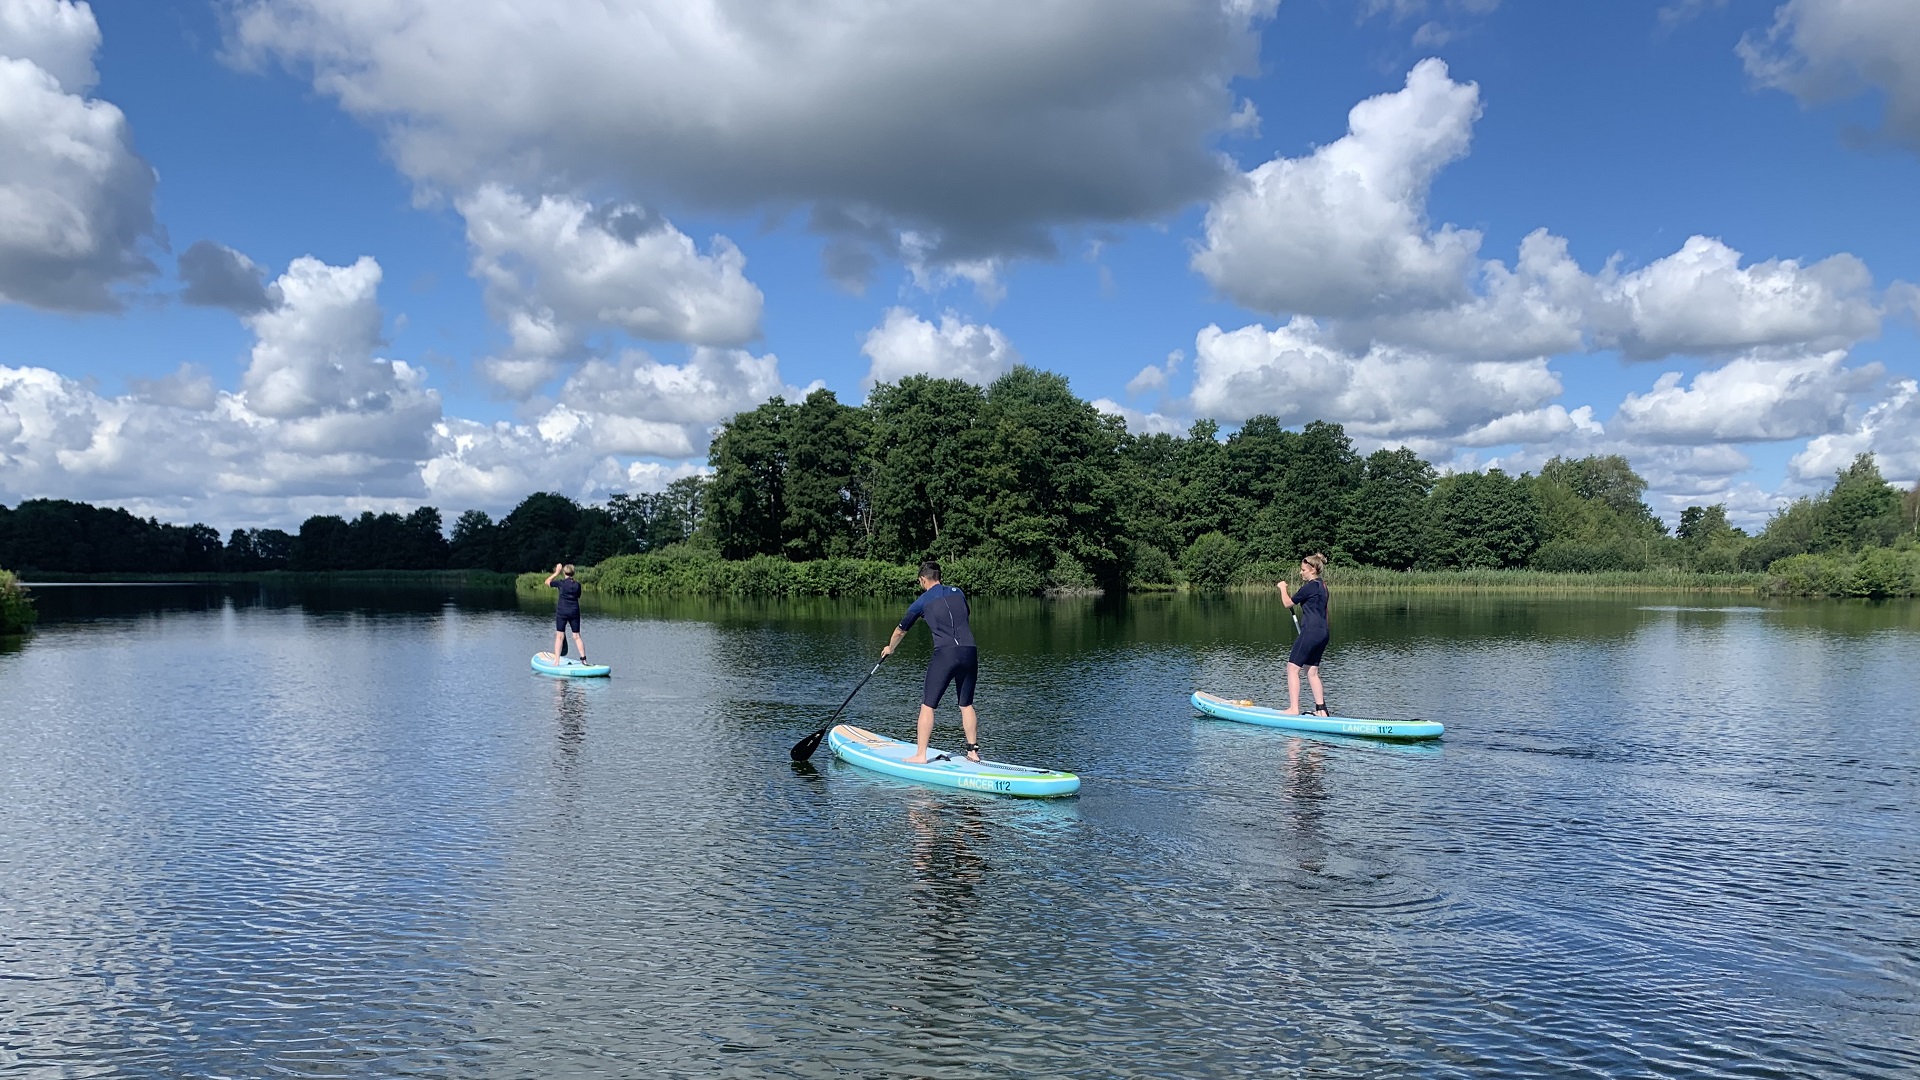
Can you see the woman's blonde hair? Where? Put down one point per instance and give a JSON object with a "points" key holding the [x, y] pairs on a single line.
{"points": [[1318, 562]]}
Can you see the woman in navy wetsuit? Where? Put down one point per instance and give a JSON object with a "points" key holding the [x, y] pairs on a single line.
{"points": [[1312, 642]]}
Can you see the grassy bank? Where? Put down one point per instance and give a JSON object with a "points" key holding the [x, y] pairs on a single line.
{"points": [[694, 572], [16, 607], [481, 579], [1371, 578], [690, 572]]}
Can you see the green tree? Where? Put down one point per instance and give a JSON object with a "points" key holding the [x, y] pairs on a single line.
{"points": [[1482, 520], [1322, 478], [745, 502], [1861, 510], [1388, 521], [1881, 573], [1050, 477], [1608, 480], [539, 532], [474, 538], [929, 446], [1207, 501], [16, 607], [1212, 562], [824, 500], [321, 545]]}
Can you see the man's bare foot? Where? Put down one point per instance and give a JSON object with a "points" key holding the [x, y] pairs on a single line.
{"points": [[917, 759]]}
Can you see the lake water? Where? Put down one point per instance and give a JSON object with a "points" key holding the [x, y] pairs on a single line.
{"points": [[246, 833]]}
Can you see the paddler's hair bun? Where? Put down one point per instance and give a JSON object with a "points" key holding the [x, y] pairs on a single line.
{"points": [[1317, 561]]}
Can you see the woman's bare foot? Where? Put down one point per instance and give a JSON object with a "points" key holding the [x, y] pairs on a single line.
{"points": [[915, 759]]}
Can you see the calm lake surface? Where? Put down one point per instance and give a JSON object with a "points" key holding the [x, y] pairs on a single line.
{"points": [[322, 833]]}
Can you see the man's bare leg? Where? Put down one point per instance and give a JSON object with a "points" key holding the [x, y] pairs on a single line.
{"points": [[926, 735], [970, 723]]}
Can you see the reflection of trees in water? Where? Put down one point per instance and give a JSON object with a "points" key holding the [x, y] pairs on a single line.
{"points": [[1303, 790]]}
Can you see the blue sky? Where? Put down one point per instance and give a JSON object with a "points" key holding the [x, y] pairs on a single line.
{"points": [[265, 258]]}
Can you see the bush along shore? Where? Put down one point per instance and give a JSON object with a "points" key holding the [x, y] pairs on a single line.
{"points": [[689, 571], [16, 607]]}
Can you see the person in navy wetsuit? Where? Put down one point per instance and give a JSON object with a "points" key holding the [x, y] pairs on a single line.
{"points": [[566, 611], [1312, 642], [956, 659]]}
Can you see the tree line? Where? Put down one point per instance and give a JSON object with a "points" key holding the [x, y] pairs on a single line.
{"points": [[1025, 475], [61, 536], [1024, 471]]}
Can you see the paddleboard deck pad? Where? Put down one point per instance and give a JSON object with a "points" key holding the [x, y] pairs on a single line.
{"points": [[858, 746], [548, 664], [1246, 712]]}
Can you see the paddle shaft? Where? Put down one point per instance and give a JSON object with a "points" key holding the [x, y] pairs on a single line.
{"points": [[804, 749]]}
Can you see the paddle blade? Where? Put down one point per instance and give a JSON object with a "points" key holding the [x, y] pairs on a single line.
{"points": [[804, 749]]}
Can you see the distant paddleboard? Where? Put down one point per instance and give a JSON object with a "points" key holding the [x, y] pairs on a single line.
{"points": [[857, 746], [1246, 712], [548, 664]]}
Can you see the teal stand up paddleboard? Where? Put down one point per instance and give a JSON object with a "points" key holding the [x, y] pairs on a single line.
{"points": [[858, 746], [548, 664], [1246, 712]]}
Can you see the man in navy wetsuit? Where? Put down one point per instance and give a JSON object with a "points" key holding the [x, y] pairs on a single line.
{"points": [[955, 658]]}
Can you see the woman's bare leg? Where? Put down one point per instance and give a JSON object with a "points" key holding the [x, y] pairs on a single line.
{"points": [[1319, 691], [559, 639], [1293, 688], [580, 647]]}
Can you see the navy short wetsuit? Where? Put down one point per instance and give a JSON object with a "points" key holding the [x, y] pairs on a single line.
{"points": [[566, 613], [955, 658], [1312, 642]]}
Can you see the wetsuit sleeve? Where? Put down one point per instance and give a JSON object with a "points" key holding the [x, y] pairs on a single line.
{"points": [[915, 610]]}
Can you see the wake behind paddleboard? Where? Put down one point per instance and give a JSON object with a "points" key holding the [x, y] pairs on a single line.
{"points": [[858, 746], [1246, 712], [548, 664]]}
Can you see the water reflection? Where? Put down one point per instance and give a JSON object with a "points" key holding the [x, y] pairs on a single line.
{"points": [[1304, 793]]}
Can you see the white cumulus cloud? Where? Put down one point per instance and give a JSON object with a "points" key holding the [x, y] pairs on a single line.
{"points": [[1749, 399], [559, 270], [1889, 429], [1344, 230], [76, 202], [1297, 374], [1700, 300], [905, 344]]}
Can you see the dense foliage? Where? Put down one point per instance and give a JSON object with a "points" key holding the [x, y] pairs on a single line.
{"points": [[16, 607], [1031, 488]]}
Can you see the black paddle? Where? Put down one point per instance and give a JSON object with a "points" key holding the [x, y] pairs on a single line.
{"points": [[804, 749]]}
